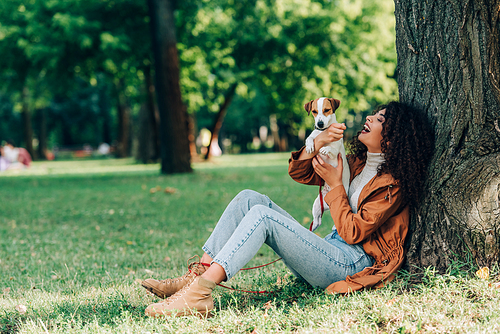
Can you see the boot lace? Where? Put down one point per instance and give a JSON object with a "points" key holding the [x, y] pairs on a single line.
{"points": [[178, 294], [193, 270]]}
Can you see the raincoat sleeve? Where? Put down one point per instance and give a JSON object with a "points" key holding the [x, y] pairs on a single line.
{"points": [[302, 171]]}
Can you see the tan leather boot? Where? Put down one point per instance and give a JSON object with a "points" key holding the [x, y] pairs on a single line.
{"points": [[168, 287], [194, 298]]}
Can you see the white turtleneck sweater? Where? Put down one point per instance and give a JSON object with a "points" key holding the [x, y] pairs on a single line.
{"points": [[373, 161]]}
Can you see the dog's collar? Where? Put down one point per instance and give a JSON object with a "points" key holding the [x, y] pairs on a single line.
{"points": [[316, 128]]}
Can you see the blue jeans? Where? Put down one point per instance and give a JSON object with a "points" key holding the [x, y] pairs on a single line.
{"points": [[252, 219]]}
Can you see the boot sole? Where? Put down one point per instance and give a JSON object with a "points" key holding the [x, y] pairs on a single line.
{"points": [[183, 313], [199, 314], [153, 290]]}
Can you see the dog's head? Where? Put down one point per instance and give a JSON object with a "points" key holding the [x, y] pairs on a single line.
{"points": [[323, 110]]}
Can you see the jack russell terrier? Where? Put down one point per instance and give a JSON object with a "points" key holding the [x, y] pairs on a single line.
{"points": [[323, 110]]}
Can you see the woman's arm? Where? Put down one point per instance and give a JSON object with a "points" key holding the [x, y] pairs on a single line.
{"points": [[300, 166]]}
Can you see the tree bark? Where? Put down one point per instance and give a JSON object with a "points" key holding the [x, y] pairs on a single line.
{"points": [[123, 111], [104, 107], [448, 66], [175, 154], [28, 127], [42, 134], [144, 136], [153, 116], [219, 119]]}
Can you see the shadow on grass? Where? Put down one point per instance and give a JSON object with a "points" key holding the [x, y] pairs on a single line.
{"points": [[295, 291], [106, 311]]}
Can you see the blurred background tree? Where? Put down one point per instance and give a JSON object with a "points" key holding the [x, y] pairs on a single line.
{"points": [[80, 73]]}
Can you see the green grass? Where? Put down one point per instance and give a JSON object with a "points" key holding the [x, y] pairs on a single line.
{"points": [[76, 236]]}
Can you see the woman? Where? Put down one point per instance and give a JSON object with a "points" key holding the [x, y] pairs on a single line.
{"points": [[365, 248], [4, 163], [17, 157]]}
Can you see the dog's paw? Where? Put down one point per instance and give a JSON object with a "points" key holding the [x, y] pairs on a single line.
{"points": [[310, 148], [315, 223], [327, 152]]}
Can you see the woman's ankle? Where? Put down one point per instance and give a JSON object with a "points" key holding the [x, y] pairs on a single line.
{"points": [[215, 273]]}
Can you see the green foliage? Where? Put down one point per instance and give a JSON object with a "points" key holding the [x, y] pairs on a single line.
{"points": [[62, 50], [285, 53], [281, 54]]}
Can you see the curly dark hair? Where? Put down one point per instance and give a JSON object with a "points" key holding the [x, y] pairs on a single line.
{"points": [[407, 146]]}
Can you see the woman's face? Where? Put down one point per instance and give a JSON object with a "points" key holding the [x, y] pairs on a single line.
{"points": [[371, 135]]}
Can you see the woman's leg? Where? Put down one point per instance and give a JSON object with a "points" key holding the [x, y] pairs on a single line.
{"points": [[320, 262], [244, 227], [232, 217]]}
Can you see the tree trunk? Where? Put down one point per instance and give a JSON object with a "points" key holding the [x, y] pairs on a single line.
{"points": [[219, 119], [192, 138], [104, 107], [153, 116], [123, 147], [42, 134], [28, 127], [144, 136], [448, 65], [175, 154]]}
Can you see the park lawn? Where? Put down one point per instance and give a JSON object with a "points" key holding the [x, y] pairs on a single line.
{"points": [[77, 236]]}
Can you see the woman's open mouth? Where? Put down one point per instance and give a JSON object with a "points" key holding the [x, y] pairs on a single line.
{"points": [[366, 129]]}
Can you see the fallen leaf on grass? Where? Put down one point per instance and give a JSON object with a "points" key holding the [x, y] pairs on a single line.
{"points": [[143, 187], [166, 259], [152, 190], [483, 273], [390, 302], [6, 290], [169, 190], [149, 271], [21, 308], [158, 188], [495, 285], [267, 306]]}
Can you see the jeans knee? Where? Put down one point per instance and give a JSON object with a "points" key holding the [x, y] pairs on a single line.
{"points": [[258, 211], [247, 194], [253, 198]]}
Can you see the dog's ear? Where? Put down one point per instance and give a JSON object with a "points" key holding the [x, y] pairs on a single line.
{"points": [[335, 103], [308, 106]]}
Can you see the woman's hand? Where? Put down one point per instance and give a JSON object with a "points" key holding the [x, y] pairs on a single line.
{"points": [[334, 133], [331, 175]]}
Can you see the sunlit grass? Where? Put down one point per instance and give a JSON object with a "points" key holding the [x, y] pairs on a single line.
{"points": [[74, 242], [102, 166]]}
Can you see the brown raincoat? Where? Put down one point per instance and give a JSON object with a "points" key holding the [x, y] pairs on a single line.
{"points": [[381, 224]]}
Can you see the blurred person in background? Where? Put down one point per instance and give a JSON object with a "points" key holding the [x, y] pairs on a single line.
{"points": [[17, 157], [4, 163]]}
